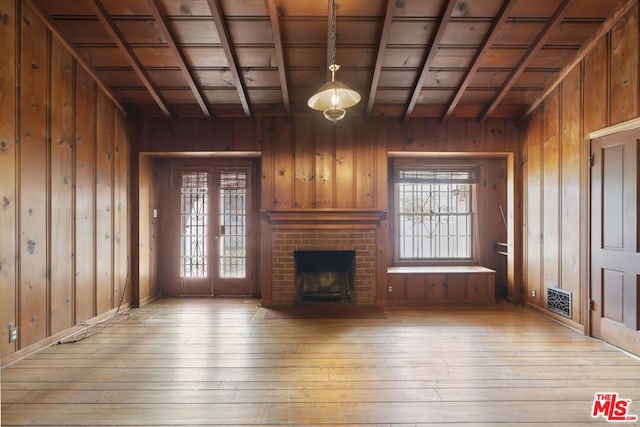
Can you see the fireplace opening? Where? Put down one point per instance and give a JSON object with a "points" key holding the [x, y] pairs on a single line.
{"points": [[325, 275]]}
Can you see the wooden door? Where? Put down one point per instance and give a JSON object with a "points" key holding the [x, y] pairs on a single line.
{"points": [[615, 258], [211, 217]]}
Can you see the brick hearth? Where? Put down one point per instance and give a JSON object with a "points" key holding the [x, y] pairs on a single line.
{"points": [[286, 232]]}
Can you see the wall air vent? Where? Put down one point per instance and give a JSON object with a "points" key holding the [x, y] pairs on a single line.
{"points": [[559, 301]]}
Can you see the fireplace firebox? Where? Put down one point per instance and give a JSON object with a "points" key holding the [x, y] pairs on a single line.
{"points": [[325, 275]]}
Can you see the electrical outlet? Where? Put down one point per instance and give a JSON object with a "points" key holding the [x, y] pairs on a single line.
{"points": [[390, 288], [13, 334], [533, 293]]}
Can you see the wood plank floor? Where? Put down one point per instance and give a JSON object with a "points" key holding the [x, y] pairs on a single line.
{"points": [[229, 362]]}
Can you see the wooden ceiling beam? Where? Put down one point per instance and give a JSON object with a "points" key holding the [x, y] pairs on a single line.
{"points": [[621, 10], [382, 47], [434, 45], [79, 57], [538, 43], [111, 28], [225, 40], [161, 21], [277, 41], [501, 18]]}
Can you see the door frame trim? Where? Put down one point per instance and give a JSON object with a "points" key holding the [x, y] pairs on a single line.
{"points": [[586, 207]]}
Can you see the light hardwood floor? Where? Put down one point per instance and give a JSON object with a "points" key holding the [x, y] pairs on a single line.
{"points": [[229, 362]]}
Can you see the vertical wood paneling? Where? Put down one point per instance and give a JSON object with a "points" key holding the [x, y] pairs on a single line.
{"points": [[48, 183], [493, 224], [346, 170], [8, 152], [223, 136], [104, 208], [434, 135], [365, 165], [394, 132], [245, 137], [85, 196], [144, 224], [476, 135], [534, 199], [595, 88], [551, 192], [571, 173], [325, 161], [482, 208], [190, 135], [382, 173], [33, 180], [496, 135], [303, 162], [283, 179], [624, 68], [266, 140], [121, 212], [601, 91], [62, 277], [456, 140]]}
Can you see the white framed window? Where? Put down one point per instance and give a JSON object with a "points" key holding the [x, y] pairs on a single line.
{"points": [[434, 212]]}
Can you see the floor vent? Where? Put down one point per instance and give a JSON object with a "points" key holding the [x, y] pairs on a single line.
{"points": [[559, 301]]}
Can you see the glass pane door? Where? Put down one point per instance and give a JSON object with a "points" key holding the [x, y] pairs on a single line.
{"points": [[233, 224], [213, 255], [194, 193]]}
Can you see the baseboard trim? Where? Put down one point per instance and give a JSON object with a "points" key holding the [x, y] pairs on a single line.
{"points": [[11, 358]]}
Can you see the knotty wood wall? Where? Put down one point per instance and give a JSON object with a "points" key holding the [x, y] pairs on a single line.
{"points": [[309, 163], [64, 161], [601, 91]]}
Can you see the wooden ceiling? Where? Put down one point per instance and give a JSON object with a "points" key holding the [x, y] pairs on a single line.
{"points": [[407, 58]]}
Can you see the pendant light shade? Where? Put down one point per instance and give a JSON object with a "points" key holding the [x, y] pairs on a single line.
{"points": [[333, 97]]}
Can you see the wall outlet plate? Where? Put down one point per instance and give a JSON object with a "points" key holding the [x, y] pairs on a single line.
{"points": [[13, 334], [533, 293]]}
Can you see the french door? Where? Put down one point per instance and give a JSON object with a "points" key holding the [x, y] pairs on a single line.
{"points": [[212, 217], [615, 241]]}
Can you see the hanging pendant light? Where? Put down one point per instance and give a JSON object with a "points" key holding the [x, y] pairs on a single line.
{"points": [[333, 98]]}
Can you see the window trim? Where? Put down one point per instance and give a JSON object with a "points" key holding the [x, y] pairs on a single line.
{"points": [[399, 164]]}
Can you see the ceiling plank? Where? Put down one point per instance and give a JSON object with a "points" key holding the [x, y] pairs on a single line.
{"points": [[501, 18], [277, 41], [79, 57], [382, 47], [161, 21], [621, 10], [225, 39], [434, 45], [540, 40], [111, 28]]}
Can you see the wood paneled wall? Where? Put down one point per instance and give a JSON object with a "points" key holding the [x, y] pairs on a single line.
{"points": [[64, 162], [601, 91], [309, 163]]}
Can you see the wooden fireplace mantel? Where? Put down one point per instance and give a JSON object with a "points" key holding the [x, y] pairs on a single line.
{"points": [[324, 216]]}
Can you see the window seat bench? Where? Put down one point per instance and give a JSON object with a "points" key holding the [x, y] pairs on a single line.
{"points": [[441, 284]]}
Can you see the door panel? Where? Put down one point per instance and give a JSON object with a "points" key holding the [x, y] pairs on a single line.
{"points": [[205, 243], [231, 240], [615, 261], [194, 257]]}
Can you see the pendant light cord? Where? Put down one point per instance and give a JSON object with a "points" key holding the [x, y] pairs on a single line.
{"points": [[333, 31]]}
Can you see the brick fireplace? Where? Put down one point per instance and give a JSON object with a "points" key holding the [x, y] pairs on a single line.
{"points": [[285, 232]]}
